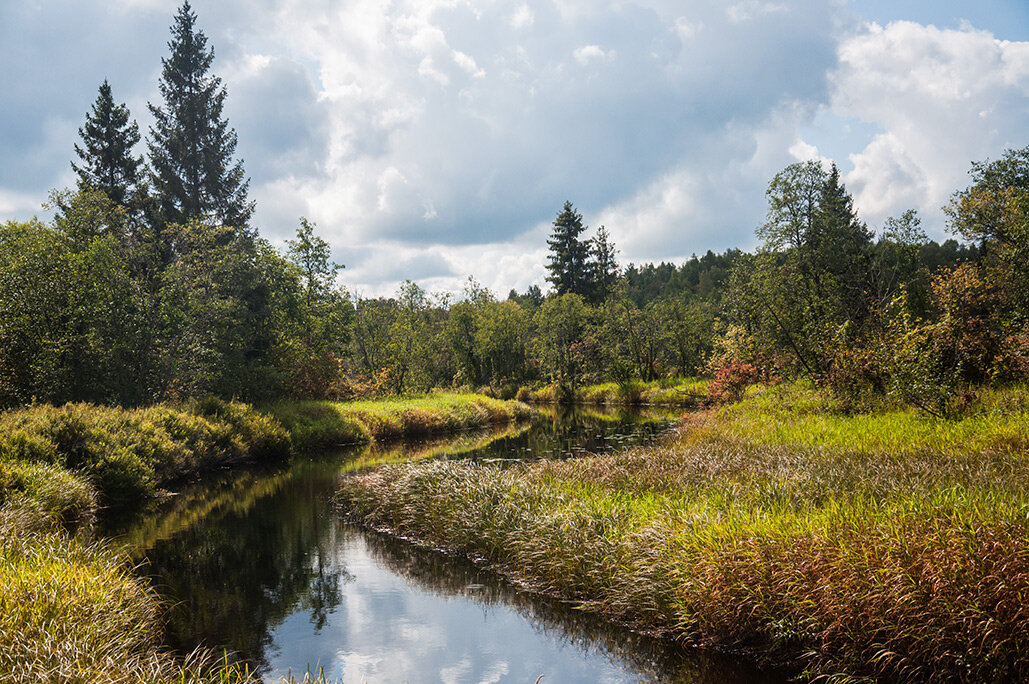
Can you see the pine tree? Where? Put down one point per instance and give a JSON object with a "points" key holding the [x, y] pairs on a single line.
{"points": [[108, 137], [191, 144], [568, 260]]}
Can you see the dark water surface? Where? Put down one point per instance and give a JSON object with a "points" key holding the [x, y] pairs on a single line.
{"points": [[257, 562]]}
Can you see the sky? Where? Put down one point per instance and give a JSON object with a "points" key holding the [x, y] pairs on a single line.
{"points": [[434, 140]]}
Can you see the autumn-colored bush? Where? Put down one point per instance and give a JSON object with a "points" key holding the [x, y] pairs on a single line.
{"points": [[731, 381]]}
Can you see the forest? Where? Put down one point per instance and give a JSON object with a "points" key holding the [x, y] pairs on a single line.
{"points": [[131, 297], [150, 285]]}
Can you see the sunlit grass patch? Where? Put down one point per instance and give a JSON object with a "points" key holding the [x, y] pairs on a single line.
{"points": [[127, 454], [798, 415], [683, 392], [325, 423], [71, 610]]}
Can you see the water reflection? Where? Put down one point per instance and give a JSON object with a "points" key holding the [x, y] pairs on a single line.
{"points": [[257, 562]]}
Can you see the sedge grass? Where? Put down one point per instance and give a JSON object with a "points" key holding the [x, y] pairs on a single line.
{"points": [[871, 549]]}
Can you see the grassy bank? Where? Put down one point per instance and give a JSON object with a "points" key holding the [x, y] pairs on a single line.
{"points": [[71, 609], [126, 455], [886, 545], [681, 392], [320, 424]]}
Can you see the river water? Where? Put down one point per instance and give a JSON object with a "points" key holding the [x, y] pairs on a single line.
{"points": [[258, 562]]}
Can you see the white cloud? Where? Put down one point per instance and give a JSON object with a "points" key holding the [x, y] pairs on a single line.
{"points": [[523, 17], [588, 53], [803, 151], [942, 99], [686, 28], [18, 203], [442, 136], [752, 9]]}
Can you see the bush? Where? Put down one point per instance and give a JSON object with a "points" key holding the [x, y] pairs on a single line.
{"points": [[730, 382]]}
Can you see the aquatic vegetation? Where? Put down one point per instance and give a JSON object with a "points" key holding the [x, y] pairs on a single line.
{"points": [[881, 545]]}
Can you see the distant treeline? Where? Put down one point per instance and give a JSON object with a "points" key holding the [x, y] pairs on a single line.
{"points": [[149, 285]]}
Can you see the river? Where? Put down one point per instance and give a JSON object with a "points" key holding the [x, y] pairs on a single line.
{"points": [[258, 562]]}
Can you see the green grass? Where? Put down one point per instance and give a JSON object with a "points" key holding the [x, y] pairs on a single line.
{"points": [[682, 392], [126, 455], [996, 422], [880, 545], [320, 424]]}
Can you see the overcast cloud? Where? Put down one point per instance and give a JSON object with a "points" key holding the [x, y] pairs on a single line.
{"points": [[436, 139]]}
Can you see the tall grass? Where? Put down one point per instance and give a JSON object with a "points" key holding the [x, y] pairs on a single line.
{"points": [[680, 392], [320, 424], [886, 554], [127, 454]]}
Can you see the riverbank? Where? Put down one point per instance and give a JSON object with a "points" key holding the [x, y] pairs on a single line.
{"points": [[678, 392], [323, 424], [883, 545], [72, 610]]}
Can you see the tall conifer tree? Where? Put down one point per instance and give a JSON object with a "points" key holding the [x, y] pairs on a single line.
{"points": [[107, 162], [603, 266], [191, 144], [568, 260]]}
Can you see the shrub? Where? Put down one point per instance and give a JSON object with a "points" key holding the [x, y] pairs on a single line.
{"points": [[730, 381]]}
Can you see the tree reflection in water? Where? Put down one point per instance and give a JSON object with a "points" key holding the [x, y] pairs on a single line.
{"points": [[242, 553]]}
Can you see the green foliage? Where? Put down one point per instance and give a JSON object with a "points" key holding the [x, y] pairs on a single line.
{"points": [[315, 335], [70, 317], [569, 254], [603, 266], [811, 275], [217, 299], [560, 324], [994, 212], [586, 267]]}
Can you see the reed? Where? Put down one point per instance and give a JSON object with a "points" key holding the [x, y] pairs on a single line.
{"points": [[888, 555]]}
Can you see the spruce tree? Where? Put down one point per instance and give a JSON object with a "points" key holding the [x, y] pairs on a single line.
{"points": [[840, 246], [108, 136], [191, 145], [569, 255], [603, 268]]}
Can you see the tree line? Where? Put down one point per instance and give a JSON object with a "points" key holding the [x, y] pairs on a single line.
{"points": [[150, 285]]}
